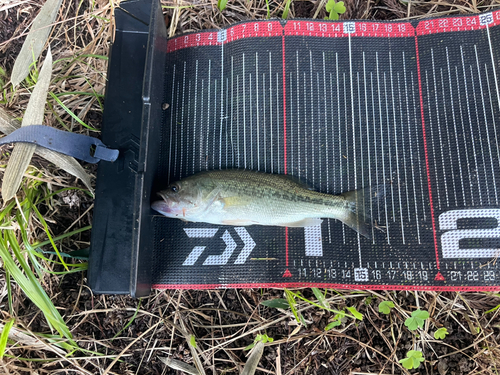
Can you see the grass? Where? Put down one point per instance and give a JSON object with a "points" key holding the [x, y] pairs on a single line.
{"points": [[51, 322]]}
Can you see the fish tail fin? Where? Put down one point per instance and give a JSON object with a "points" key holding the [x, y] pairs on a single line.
{"points": [[360, 206]]}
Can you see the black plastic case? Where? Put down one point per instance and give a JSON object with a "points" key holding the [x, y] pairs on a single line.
{"points": [[121, 249]]}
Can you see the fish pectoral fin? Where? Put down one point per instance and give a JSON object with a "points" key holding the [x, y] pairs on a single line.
{"points": [[234, 201], [238, 222], [308, 222]]}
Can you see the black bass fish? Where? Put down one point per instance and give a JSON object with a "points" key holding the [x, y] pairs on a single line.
{"points": [[242, 197]]}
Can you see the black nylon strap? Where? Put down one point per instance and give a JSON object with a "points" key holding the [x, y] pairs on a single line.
{"points": [[76, 145]]}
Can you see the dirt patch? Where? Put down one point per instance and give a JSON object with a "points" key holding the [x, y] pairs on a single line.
{"points": [[12, 24]]}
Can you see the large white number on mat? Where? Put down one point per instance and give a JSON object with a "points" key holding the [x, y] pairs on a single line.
{"points": [[450, 241], [313, 241]]}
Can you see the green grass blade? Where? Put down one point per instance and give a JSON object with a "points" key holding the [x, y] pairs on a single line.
{"points": [[317, 305], [75, 117], [130, 321], [9, 292], [290, 297], [320, 297], [287, 9], [62, 236], [25, 278], [5, 336], [47, 232], [80, 93]]}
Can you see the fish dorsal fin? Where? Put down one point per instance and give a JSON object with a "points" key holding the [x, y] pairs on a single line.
{"points": [[307, 222]]}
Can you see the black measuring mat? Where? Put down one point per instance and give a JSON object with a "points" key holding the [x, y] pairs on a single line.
{"points": [[411, 108]]}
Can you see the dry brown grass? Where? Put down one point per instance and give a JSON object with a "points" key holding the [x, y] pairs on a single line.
{"points": [[225, 321]]}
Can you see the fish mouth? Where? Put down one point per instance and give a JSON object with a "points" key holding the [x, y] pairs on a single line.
{"points": [[161, 207]]}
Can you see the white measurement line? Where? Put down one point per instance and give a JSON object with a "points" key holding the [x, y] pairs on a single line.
{"points": [[215, 124], [339, 140], [171, 126], [292, 127], [487, 130], [250, 105], [374, 123], [383, 154], [450, 154], [455, 127], [202, 133], [264, 120], [463, 135], [310, 126], [360, 135], [278, 122], [257, 108], [238, 119], [353, 120], [299, 120], [354, 138], [471, 130], [417, 126], [182, 120], [189, 142], [367, 119], [271, 106], [346, 146], [396, 146], [232, 111], [493, 65], [492, 116], [221, 103], [362, 159], [346, 123], [478, 124], [209, 98], [405, 169], [390, 148], [306, 157], [438, 120], [334, 141], [195, 112], [226, 161], [327, 126], [431, 127], [410, 141], [319, 142], [244, 115], [176, 130], [331, 156]]}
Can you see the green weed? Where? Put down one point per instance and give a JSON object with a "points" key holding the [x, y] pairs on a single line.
{"points": [[416, 320], [334, 9], [286, 10], [221, 4], [23, 263], [412, 360], [264, 338], [385, 307], [4, 337], [441, 333], [291, 302]]}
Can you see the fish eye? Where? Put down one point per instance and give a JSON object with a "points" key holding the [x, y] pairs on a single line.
{"points": [[174, 188]]}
